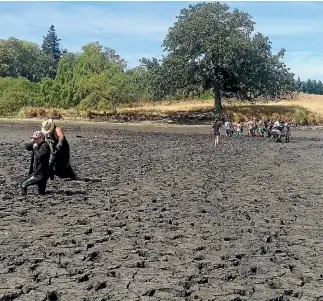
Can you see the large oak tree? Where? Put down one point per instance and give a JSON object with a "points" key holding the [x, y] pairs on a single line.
{"points": [[220, 46]]}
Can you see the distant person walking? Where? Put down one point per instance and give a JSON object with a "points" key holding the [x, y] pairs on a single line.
{"points": [[228, 128], [216, 131]]}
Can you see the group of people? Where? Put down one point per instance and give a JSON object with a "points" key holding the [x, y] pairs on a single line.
{"points": [[50, 157], [256, 127]]}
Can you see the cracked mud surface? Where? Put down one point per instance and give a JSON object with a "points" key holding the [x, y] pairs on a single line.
{"points": [[166, 217]]}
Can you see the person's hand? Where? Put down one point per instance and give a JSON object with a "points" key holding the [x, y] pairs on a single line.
{"points": [[35, 145]]}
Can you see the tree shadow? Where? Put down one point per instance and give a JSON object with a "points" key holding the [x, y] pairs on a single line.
{"points": [[191, 117], [256, 110], [246, 111]]}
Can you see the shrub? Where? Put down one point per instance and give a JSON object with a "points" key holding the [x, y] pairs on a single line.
{"points": [[301, 116], [16, 93]]}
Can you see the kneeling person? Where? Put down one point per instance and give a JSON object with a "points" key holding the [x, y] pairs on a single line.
{"points": [[60, 161], [39, 165]]}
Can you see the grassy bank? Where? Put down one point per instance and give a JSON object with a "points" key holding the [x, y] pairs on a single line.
{"points": [[305, 109]]}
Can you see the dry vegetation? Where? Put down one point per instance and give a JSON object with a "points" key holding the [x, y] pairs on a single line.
{"points": [[305, 109]]}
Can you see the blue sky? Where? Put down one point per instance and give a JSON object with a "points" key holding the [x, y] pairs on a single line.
{"points": [[136, 29]]}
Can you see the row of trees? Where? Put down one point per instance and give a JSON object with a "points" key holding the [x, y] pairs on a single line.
{"points": [[209, 49], [310, 86], [28, 60]]}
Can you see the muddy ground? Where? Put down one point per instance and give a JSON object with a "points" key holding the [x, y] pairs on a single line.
{"points": [[165, 217]]}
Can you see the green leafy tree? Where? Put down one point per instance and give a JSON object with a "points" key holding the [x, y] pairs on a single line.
{"points": [[218, 44], [105, 90], [111, 56], [16, 93], [90, 61], [210, 36], [139, 78], [171, 77], [264, 75], [65, 71], [120, 88], [21, 59], [58, 92], [99, 78]]}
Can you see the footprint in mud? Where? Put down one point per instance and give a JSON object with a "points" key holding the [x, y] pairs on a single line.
{"points": [[67, 192], [52, 296]]}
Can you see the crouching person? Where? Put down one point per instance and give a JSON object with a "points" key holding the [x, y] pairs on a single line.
{"points": [[60, 161], [39, 166]]}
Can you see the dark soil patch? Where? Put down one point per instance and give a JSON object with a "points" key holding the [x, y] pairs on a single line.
{"points": [[167, 217]]}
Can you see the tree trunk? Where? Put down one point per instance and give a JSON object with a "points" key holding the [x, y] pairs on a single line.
{"points": [[217, 99], [114, 108]]}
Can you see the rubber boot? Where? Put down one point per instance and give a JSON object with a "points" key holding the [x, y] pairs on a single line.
{"points": [[23, 191], [41, 189], [71, 173]]}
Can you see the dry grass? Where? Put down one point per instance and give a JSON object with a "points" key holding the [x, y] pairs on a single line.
{"points": [[304, 109], [165, 107], [313, 103], [31, 112]]}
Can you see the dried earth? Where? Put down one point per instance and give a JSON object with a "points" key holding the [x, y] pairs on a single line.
{"points": [[164, 217]]}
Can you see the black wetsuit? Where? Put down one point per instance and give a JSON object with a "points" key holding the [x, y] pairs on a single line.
{"points": [[39, 167], [60, 157]]}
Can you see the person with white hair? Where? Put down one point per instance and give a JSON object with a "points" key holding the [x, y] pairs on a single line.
{"points": [[59, 161], [39, 166], [278, 130]]}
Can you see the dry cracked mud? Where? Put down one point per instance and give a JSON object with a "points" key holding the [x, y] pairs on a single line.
{"points": [[164, 216]]}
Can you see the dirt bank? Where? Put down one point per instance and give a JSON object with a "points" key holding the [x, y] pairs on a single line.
{"points": [[167, 219]]}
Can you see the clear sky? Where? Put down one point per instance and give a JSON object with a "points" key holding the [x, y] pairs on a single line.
{"points": [[136, 29]]}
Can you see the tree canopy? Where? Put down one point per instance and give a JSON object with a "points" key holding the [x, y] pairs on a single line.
{"points": [[218, 44], [209, 50]]}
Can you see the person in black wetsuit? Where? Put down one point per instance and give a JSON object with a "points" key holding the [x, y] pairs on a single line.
{"points": [[60, 161], [39, 166]]}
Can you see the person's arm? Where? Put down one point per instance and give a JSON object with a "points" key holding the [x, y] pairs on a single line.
{"points": [[59, 133], [61, 136]]}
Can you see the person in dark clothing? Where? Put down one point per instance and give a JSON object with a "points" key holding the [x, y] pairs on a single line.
{"points": [[216, 131], [59, 162], [269, 128], [39, 165]]}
